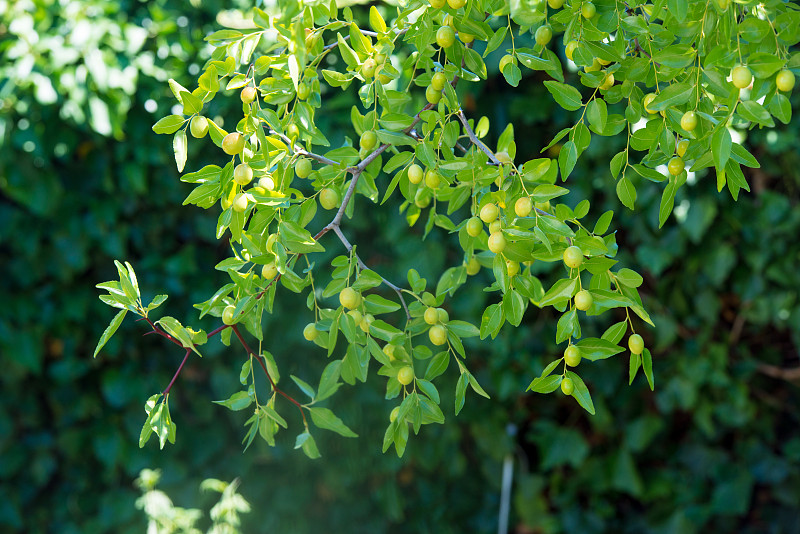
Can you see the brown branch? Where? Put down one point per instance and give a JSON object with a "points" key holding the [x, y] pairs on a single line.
{"points": [[790, 375], [474, 138], [266, 372]]}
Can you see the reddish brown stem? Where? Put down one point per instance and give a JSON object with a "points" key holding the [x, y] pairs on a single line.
{"points": [[266, 372], [180, 368]]}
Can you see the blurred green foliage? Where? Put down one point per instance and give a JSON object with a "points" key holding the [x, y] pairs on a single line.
{"points": [[84, 180]]}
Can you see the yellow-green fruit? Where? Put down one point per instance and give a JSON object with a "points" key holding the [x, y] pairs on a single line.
{"points": [[474, 227], [437, 3], [405, 375], [269, 271], [523, 206], [444, 317], [356, 315], [302, 168], [243, 174], [683, 146], [368, 140], [271, 239], [432, 95], [431, 316], [233, 143], [555, 4], [489, 213], [608, 82], [569, 50], [473, 266], [505, 60], [648, 98], [497, 242], [495, 226], [567, 386], [456, 4], [366, 321], [199, 126], [368, 68], [394, 414], [588, 10], [388, 350], [445, 36], [504, 158], [432, 179], [676, 166], [292, 131], [583, 300], [466, 37], [572, 356], [248, 95], [573, 257], [303, 90], [350, 298], [328, 198], [438, 335], [240, 202], [689, 121], [227, 314], [636, 344], [741, 76], [310, 332], [594, 67], [785, 80], [543, 35], [422, 198], [512, 267], [438, 80], [266, 182], [415, 174]]}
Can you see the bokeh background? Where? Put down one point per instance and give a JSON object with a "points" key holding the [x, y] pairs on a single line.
{"points": [[84, 181]]}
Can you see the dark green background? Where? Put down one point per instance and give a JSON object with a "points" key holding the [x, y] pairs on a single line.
{"points": [[716, 447]]}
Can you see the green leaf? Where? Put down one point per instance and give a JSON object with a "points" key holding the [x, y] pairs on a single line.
{"points": [[191, 104], [309, 446], [376, 304], [169, 124], [674, 95], [615, 332], [109, 331], [647, 366], [179, 147], [437, 365], [581, 393], [755, 112], [238, 401], [721, 147], [593, 348], [626, 192], [491, 320], [633, 367], [567, 158], [174, 328], [304, 386], [567, 96], [667, 202], [545, 385], [545, 192], [324, 418], [545, 373], [562, 290], [463, 328], [329, 381], [628, 277]]}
